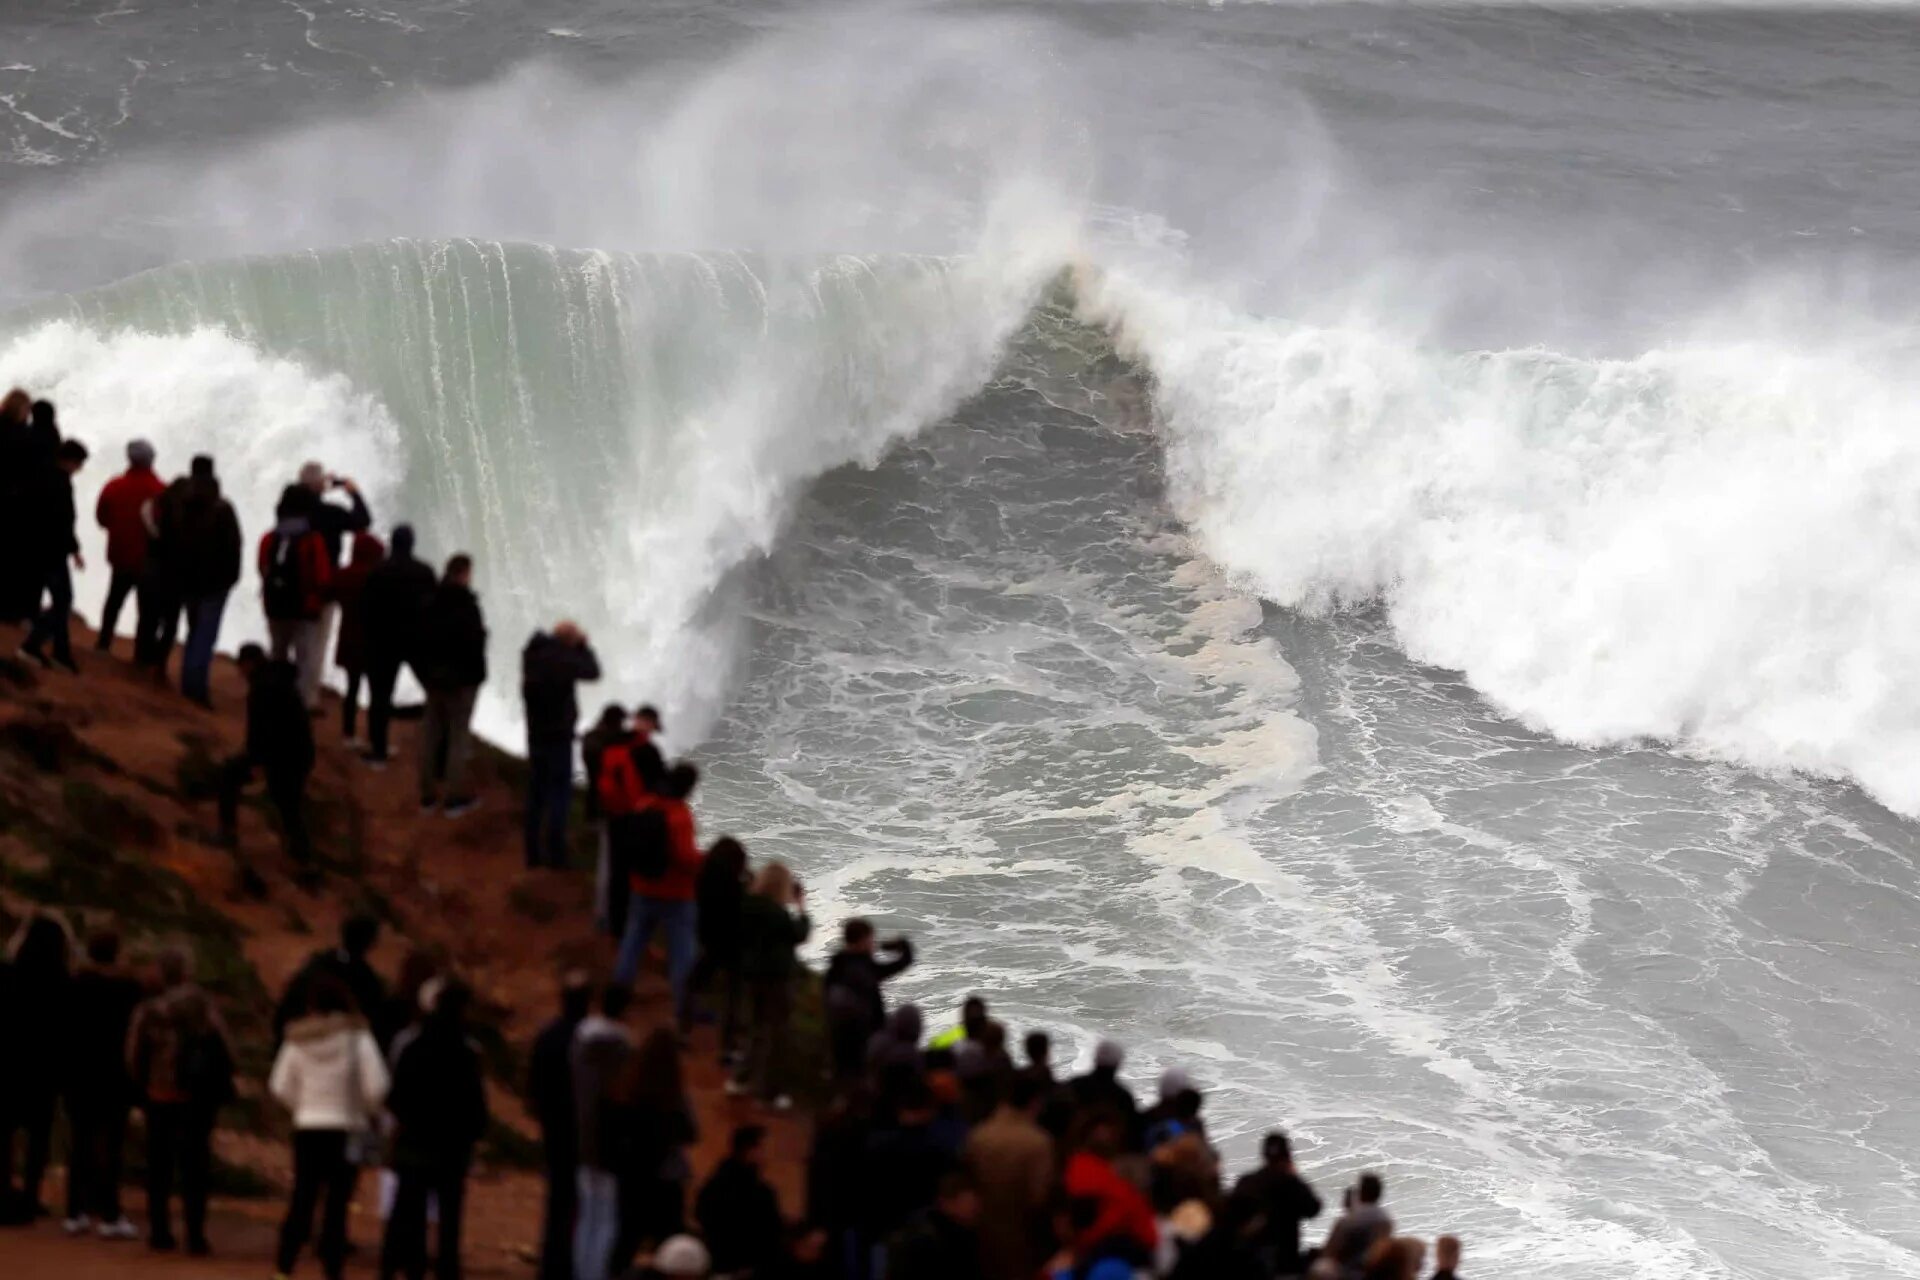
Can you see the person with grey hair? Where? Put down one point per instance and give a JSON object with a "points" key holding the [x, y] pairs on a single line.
{"points": [[330, 520], [180, 1060], [120, 511]]}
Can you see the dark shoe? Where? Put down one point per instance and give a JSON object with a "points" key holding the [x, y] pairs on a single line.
{"points": [[429, 803], [199, 1249], [163, 1244], [67, 664], [28, 651]]}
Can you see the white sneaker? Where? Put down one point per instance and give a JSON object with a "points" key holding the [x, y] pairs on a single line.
{"points": [[736, 1088], [77, 1226], [781, 1103], [121, 1230]]}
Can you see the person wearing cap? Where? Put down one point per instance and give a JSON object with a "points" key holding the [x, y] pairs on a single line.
{"points": [[50, 545], [552, 666], [199, 547], [119, 512]]}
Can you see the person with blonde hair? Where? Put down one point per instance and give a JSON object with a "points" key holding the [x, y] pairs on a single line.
{"points": [[773, 925]]}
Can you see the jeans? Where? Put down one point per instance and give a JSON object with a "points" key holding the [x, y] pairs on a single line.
{"points": [[158, 623], [403, 1250], [98, 1123], [320, 1168], [179, 1139], [50, 623], [286, 790], [549, 800], [383, 673], [597, 1225], [119, 587], [676, 918], [203, 632], [446, 743], [303, 641]]}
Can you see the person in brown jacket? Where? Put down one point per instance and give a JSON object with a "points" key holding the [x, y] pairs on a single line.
{"points": [[1011, 1159]]}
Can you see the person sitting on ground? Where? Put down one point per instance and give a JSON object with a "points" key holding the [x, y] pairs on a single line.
{"points": [[180, 1060], [391, 603], [194, 562], [347, 964], [350, 649], [120, 511], [451, 660], [856, 1008], [50, 545], [99, 1012], [738, 1212], [295, 578], [631, 772], [331, 521], [666, 871], [1101, 1090], [552, 666], [550, 1098], [601, 1049], [1012, 1161], [719, 898], [1362, 1226], [1446, 1258], [331, 1078], [939, 1242], [1268, 1205], [773, 927], [439, 1106], [280, 745]]}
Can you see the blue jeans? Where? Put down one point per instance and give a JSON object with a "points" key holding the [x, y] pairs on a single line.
{"points": [[549, 797], [597, 1224], [643, 913], [203, 632]]}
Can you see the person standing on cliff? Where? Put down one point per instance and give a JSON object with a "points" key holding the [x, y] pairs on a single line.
{"points": [[552, 666], [295, 579], [333, 523], [550, 1096], [451, 661], [390, 605], [120, 511], [280, 745], [198, 550], [16, 411], [51, 544]]}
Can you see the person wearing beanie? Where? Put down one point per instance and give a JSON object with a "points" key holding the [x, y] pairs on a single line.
{"points": [[391, 601], [121, 512]]}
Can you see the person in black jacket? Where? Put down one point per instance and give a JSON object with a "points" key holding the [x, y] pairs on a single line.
{"points": [[855, 1007], [199, 546], [1268, 1205], [280, 745], [99, 1092], [550, 1090], [346, 962], [18, 592], [738, 1212], [552, 666], [50, 544], [439, 1105], [719, 894], [451, 661], [391, 604], [333, 522], [34, 1005]]}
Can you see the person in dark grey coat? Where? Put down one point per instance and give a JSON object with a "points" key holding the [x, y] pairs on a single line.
{"points": [[552, 667], [391, 603]]}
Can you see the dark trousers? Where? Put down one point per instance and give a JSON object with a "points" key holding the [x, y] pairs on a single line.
{"points": [[563, 1202], [30, 1111], [50, 623], [549, 800], [350, 703], [404, 1250], [119, 588], [651, 1209], [159, 621], [765, 1070], [179, 1142], [719, 978], [320, 1169], [286, 789], [383, 673], [98, 1122]]}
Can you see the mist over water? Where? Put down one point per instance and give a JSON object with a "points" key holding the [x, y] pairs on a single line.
{"points": [[1369, 551]]}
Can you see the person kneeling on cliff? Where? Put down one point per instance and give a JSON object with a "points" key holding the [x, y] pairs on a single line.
{"points": [[280, 745]]}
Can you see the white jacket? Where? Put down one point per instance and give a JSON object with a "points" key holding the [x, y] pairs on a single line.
{"points": [[329, 1074]]}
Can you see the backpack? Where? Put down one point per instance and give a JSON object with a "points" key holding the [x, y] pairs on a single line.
{"points": [[641, 843], [281, 586]]}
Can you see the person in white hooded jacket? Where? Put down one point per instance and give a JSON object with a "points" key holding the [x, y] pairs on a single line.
{"points": [[330, 1075]]}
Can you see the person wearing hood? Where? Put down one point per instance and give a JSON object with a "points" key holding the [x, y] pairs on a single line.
{"points": [[391, 603], [350, 649], [601, 1050], [295, 577], [280, 746], [180, 1059], [855, 1007], [16, 586], [451, 661], [50, 546], [99, 1012], [738, 1212], [199, 553], [552, 666], [329, 1075], [439, 1105], [550, 1097], [121, 512]]}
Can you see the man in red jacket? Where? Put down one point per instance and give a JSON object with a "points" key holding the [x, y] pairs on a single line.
{"points": [[120, 513], [664, 900]]}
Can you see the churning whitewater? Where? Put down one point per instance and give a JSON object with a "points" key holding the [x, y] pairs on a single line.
{"points": [[1197, 513]]}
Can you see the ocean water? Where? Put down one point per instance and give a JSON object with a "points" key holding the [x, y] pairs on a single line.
{"points": [[1369, 551]]}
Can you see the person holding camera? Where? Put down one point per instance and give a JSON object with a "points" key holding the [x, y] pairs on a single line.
{"points": [[856, 1009]]}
